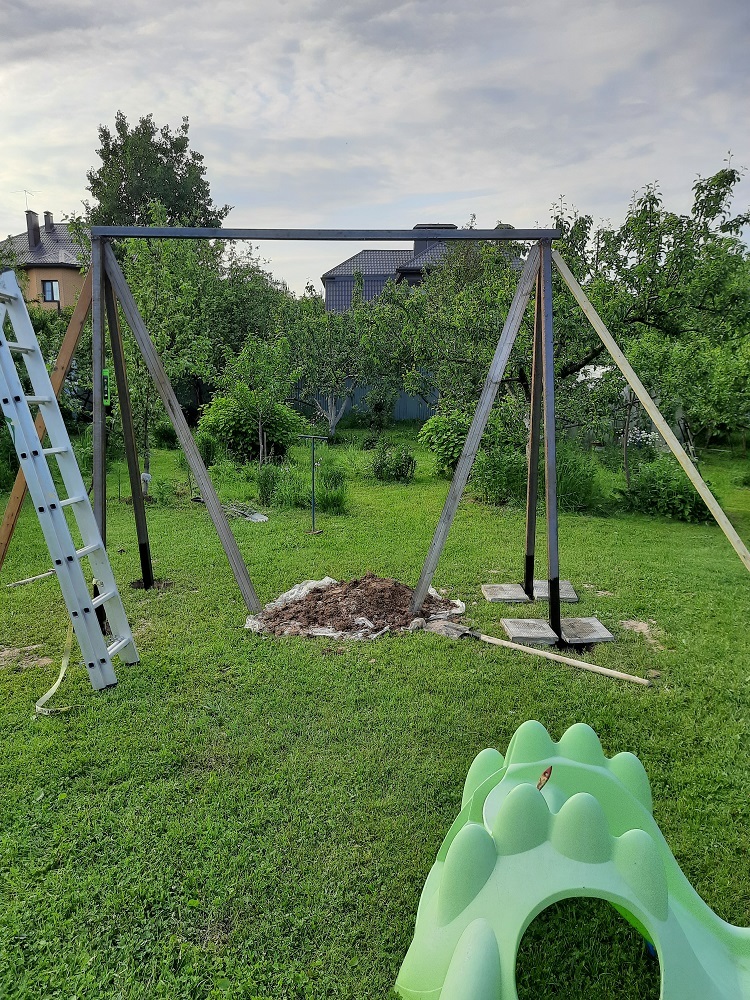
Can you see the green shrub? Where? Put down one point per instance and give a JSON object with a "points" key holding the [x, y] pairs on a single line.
{"points": [[393, 464], [163, 434], [578, 484], [331, 494], [661, 487], [211, 449], [499, 476], [292, 489], [444, 434], [267, 478], [163, 493], [231, 422]]}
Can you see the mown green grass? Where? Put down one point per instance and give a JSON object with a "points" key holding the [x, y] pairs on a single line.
{"points": [[253, 817]]}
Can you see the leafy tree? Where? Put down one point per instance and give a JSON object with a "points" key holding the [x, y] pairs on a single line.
{"points": [[325, 352], [200, 300], [675, 290], [142, 164], [259, 379]]}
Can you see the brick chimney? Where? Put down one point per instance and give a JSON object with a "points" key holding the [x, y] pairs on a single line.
{"points": [[49, 225], [32, 228], [420, 245]]}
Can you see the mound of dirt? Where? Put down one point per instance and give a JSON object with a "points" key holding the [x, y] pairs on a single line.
{"points": [[365, 606]]}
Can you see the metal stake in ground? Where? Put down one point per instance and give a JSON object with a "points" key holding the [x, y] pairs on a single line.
{"points": [[313, 438]]}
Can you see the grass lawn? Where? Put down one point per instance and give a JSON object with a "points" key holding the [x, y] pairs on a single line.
{"points": [[253, 817]]}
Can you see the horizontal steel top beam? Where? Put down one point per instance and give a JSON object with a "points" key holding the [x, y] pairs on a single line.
{"points": [[353, 235]]}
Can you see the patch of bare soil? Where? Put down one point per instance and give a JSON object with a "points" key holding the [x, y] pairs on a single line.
{"points": [[649, 630], [384, 602], [22, 658]]}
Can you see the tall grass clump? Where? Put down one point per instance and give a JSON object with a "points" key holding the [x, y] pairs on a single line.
{"points": [[289, 487], [499, 477]]}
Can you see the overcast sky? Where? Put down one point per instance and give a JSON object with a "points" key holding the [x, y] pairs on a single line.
{"points": [[378, 113]]}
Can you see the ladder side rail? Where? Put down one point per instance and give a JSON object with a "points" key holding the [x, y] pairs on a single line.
{"points": [[57, 378], [71, 475], [53, 523]]}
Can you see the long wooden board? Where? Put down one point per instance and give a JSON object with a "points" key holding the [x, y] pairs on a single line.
{"points": [[651, 408], [57, 378]]}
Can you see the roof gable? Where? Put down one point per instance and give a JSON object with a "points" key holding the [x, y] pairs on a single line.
{"points": [[57, 248], [380, 262]]}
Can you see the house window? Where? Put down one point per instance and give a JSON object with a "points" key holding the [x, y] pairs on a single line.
{"points": [[50, 291]]}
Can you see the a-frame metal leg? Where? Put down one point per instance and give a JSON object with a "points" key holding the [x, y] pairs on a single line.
{"points": [[474, 437], [550, 458], [131, 450], [57, 378], [156, 370], [534, 440]]}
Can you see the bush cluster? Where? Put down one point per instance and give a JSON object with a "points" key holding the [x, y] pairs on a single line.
{"points": [[499, 476], [393, 464], [229, 426], [661, 487], [289, 487], [444, 434]]}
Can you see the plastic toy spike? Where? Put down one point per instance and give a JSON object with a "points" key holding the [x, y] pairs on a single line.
{"points": [[521, 843]]}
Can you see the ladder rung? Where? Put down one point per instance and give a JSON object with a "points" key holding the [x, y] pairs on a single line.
{"points": [[70, 500], [7, 297], [118, 644], [87, 549], [101, 598], [19, 348], [54, 451], [38, 399]]}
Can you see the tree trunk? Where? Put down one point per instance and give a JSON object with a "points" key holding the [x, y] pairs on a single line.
{"points": [[625, 436]]}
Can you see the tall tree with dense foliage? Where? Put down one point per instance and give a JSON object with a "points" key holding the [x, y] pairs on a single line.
{"points": [[143, 163], [675, 290]]}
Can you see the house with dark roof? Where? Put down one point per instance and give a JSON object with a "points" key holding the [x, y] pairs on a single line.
{"points": [[378, 266], [50, 258]]}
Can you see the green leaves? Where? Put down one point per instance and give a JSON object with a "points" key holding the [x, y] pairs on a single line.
{"points": [[142, 164]]}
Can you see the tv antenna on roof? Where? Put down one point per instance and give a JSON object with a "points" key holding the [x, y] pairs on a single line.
{"points": [[27, 193]]}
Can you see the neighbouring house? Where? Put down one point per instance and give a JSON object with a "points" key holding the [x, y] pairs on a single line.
{"points": [[50, 258], [378, 266]]}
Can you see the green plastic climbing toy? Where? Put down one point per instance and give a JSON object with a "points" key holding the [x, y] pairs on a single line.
{"points": [[515, 849]]}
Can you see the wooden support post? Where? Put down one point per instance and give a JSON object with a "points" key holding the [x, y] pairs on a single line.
{"points": [[474, 437], [651, 408], [156, 370], [532, 482], [99, 463], [128, 433], [550, 451], [57, 378]]}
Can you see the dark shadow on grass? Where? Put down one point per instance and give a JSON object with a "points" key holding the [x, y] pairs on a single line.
{"points": [[583, 948]]}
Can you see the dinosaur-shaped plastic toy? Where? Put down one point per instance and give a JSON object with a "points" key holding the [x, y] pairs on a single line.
{"points": [[515, 849]]}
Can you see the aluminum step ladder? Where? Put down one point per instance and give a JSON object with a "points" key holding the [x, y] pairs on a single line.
{"points": [[50, 507]]}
